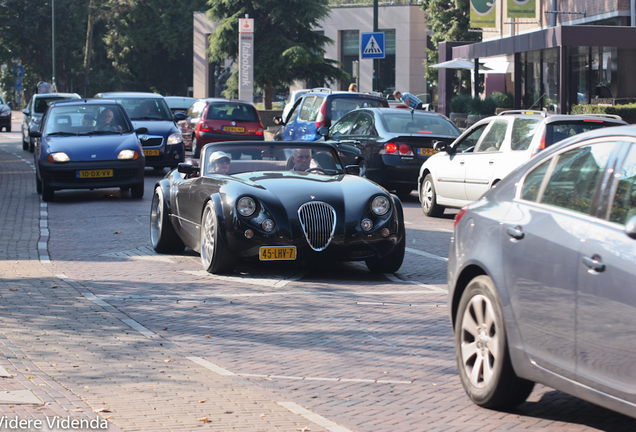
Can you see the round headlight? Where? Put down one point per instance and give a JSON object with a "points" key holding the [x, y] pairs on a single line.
{"points": [[366, 224], [268, 225], [175, 138], [246, 206], [380, 205], [58, 157], [126, 154]]}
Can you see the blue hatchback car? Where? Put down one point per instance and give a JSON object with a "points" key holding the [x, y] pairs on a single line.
{"points": [[163, 144], [321, 107], [87, 144]]}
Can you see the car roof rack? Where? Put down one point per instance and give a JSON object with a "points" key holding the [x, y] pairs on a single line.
{"points": [[528, 112], [612, 116], [321, 90]]}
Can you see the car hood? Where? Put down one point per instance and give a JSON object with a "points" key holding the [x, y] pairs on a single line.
{"points": [[162, 128], [349, 195], [91, 147]]}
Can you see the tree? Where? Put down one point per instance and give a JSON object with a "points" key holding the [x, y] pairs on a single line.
{"points": [[286, 48], [449, 21]]}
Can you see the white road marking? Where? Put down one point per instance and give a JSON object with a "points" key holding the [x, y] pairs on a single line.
{"points": [[289, 377], [426, 254], [210, 366], [276, 281], [431, 287], [313, 417]]}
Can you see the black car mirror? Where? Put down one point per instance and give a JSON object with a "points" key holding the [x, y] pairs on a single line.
{"points": [[278, 120], [179, 116], [353, 169], [35, 133], [141, 130], [323, 131], [187, 169], [630, 228]]}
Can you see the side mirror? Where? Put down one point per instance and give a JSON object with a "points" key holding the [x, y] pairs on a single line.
{"points": [[10, 104], [26, 111], [141, 131], [323, 131], [179, 116], [35, 133], [187, 169], [353, 170], [439, 146], [630, 228], [278, 120]]}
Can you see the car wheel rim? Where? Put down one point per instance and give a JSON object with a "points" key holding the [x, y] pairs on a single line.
{"points": [[155, 218], [427, 195], [207, 237], [479, 341]]}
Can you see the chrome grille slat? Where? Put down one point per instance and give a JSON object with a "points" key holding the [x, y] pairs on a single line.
{"points": [[318, 221]]}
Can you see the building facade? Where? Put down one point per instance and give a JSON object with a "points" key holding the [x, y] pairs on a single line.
{"points": [[405, 49]]}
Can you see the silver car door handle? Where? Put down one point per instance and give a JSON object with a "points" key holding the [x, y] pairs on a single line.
{"points": [[515, 232], [461, 163], [491, 162], [594, 263]]}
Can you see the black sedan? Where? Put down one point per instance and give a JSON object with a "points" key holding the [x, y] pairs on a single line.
{"points": [[393, 143], [87, 144], [291, 201]]}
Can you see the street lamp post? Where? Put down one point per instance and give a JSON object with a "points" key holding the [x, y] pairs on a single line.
{"points": [[54, 87]]}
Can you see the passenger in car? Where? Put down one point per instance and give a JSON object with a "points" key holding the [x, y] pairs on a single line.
{"points": [[219, 162]]}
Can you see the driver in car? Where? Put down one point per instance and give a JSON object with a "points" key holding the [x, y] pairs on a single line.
{"points": [[105, 121], [301, 159]]}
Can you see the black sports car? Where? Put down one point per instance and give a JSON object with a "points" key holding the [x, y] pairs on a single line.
{"points": [[278, 201]]}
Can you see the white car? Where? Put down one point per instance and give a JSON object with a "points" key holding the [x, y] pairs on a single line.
{"points": [[463, 171]]}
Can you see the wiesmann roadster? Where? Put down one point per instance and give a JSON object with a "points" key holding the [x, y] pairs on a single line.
{"points": [[277, 201]]}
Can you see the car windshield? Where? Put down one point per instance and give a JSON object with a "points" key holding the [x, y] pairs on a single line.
{"points": [[232, 111], [86, 120], [419, 123], [176, 103], [140, 108], [245, 157], [41, 103], [342, 105]]}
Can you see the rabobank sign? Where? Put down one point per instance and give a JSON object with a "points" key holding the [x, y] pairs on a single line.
{"points": [[246, 59]]}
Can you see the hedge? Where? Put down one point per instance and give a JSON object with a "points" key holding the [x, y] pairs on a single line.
{"points": [[627, 112]]}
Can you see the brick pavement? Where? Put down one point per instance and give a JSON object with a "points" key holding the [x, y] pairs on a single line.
{"points": [[367, 352]]}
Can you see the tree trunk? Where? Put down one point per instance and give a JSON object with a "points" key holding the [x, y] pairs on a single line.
{"points": [[267, 96], [89, 43]]}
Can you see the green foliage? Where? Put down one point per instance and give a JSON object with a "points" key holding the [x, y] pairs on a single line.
{"points": [[460, 103], [627, 112], [286, 48], [504, 100]]}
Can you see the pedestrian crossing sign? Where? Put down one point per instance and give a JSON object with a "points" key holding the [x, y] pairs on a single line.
{"points": [[372, 45]]}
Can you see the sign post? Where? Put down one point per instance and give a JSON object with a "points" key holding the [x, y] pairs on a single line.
{"points": [[246, 59]]}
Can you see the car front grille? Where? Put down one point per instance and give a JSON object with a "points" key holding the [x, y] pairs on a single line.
{"points": [[151, 141], [318, 220]]}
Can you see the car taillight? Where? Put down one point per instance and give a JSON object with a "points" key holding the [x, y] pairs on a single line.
{"points": [[592, 121], [320, 118], [389, 148], [460, 215], [541, 145], [259, 131], [205, 127], [397, 147]]}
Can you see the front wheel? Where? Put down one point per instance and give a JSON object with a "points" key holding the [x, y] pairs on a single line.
{"points": [[137, 191], [481, 349], [428, 198], [390, 263], [215, 256], [31, 145], [48, 193], [163, 237], [196, 150]]}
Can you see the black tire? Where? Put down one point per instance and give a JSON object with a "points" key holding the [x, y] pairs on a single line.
{"points": [[38, 184], [163, 237], [390, 263], [428, 198], [8, 128], [25, 143], [196, 151], [31, 145], [48, 193], [215, 256], [481, 346], [137, 191]]}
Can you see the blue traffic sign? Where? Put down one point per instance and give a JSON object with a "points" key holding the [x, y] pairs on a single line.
{"points": [[18, 71], [372, 45], [18, 84]]}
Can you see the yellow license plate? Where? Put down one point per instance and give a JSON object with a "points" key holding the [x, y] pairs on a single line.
{"points": [[233, 129], [151, 152], [269, 253], [426, 151], [94, 173]]}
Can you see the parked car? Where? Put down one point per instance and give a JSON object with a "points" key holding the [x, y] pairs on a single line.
{"points": [[214, 120], [490, 149], [179, 104], [34, 111], [271, 208], [5, 114], [162, 143], [393, 143], [77, 150], [321, 108], [294, 95], [541, 277]]}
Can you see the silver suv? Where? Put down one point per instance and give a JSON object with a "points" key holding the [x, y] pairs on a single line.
{"points": [[463, 171]]}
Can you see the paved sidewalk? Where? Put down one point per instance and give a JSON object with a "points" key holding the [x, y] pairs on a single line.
{"points": [[64, 353]]}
